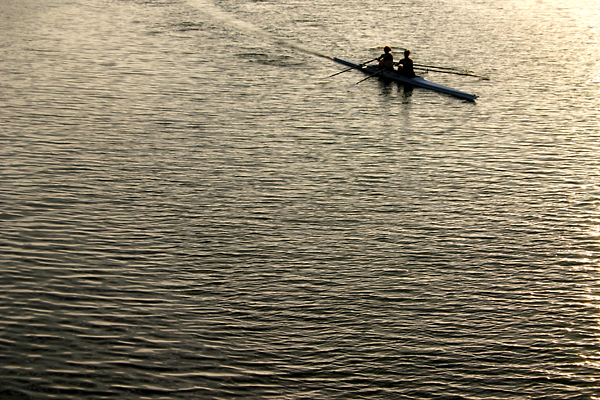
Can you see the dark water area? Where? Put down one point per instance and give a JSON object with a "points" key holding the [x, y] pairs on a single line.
{"points": [[191, 209]]}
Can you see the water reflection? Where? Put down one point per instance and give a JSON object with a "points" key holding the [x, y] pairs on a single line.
{"points": [[392, 89], [386, 87], [407, 90]]}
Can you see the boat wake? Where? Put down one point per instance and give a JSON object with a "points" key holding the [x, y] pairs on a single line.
{"points": [[248, 28]]}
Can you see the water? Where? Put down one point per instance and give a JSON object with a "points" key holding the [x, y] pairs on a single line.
{"points": [[190, 210]]}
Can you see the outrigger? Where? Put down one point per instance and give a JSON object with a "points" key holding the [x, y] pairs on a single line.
{"points": [[416, 81]]}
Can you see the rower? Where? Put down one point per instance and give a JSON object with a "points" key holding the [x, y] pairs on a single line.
{"points": [[405, 66], [386, 60]]}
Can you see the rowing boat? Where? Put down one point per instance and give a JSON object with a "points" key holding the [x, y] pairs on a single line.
{"points": [[416, 81]]}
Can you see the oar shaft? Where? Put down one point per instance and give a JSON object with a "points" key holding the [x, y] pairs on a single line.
{"points": [[341, 72], [447, 72], [434, 66], [368, 77], [379, 71], [351, 68]]}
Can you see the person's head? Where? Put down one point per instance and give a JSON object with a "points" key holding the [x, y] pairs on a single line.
{"points": [[387, 49], [406, 53]]}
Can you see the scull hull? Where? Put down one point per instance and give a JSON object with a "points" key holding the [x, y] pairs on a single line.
{"points": [[417, 81]]}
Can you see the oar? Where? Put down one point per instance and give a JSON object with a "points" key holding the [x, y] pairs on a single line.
{"points": [[433, 66], [368, 77], [346, 70], [451, 72]]}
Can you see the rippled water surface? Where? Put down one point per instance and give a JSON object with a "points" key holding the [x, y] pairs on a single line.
{"points": [[191, 209]]}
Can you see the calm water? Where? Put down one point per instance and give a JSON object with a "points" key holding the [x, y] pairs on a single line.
{"points": [[191, 210]]}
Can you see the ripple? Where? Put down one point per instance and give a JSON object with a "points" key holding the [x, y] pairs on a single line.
{"points": [[174, 227]]}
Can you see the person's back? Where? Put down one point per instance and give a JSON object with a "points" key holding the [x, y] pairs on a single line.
{"points": [[406, 66], [386, 60]]}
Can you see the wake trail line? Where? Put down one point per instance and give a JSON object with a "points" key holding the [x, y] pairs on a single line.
{"points": [[230, 19]]}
